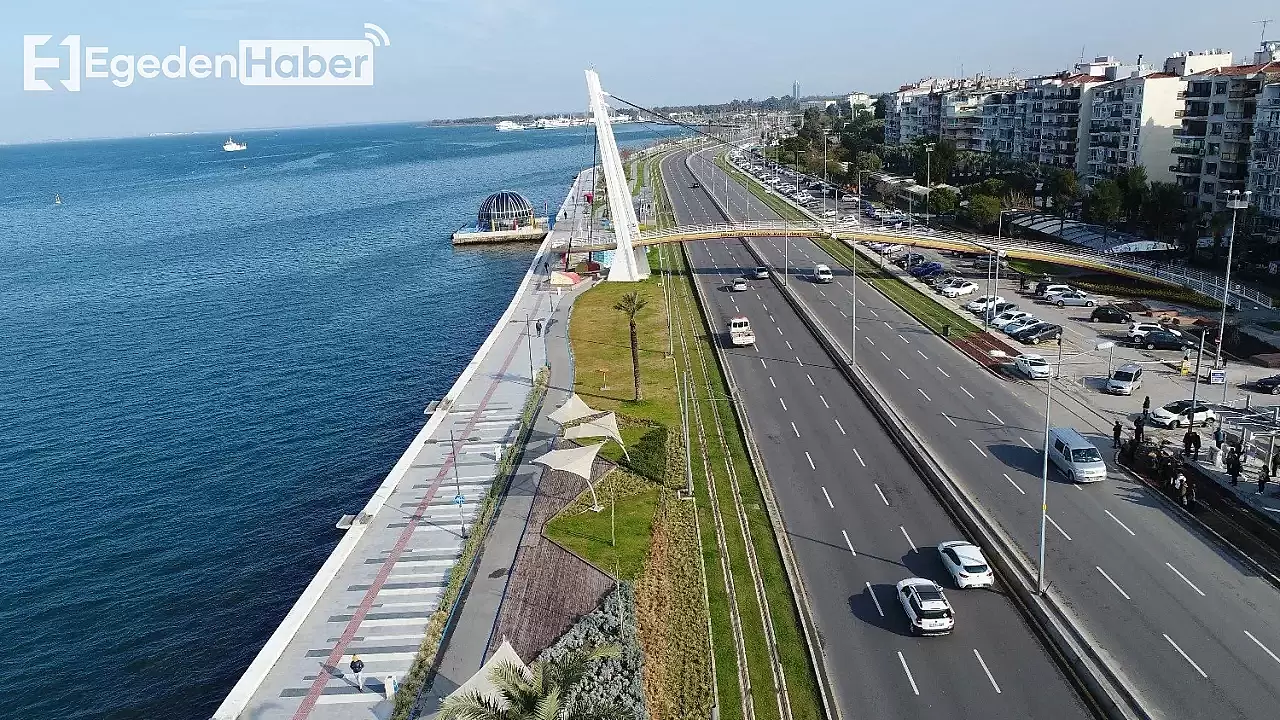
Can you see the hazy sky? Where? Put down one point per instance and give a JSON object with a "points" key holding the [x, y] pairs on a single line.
{"points": [[488, 57]]}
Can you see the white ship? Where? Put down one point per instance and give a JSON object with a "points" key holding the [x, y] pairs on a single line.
{"points": [[508, 126], [232, 146], [57, 199]]}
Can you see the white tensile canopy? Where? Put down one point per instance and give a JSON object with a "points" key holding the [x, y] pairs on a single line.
{"points": [[574, 460], [604, 426], [573, 409], [482, 682]]}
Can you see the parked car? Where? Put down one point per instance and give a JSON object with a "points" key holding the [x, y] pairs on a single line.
{"points": [[1110, 314], [1163, 340], [1039, 333], [1074, 297], [1125, 380], [1007, 317], [942, 282], [1179, 414], [956, 290], [1138, 330], [926, 267], [966, 564], [1052, 289], [979, 304], [1269, 384], [1017, 326], [1033, 366], [909, 260], [926, 607]]}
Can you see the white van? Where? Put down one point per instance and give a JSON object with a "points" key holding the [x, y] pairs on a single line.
{"points": [[740, 332], [1075, 456], [822, 274]]}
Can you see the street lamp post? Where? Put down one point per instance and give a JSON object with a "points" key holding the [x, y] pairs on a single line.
{"points": [[928, 179], [1236, 201]]}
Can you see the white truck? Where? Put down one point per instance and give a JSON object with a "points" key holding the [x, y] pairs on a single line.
{"points": [[740, 332]]}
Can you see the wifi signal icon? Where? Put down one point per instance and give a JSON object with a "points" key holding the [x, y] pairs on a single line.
{"points": [[376, 35]]}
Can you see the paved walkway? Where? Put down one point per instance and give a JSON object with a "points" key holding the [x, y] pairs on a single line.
{"points": [[375, 593]]}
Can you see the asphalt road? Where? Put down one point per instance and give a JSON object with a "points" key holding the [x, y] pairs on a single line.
{"points": [[860, 520], [1196, 632]]}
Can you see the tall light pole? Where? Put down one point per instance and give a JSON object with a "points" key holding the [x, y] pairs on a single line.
{"points": [[1236, 201], [928, 180]]}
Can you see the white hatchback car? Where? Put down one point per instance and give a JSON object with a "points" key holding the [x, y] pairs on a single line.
{"points": [[1008, 317], [979, 304], [958, 289], [1179, 414], [739, 285], [1020, 324], [1139, 330], [926, 607], [966, 564], [1033, 366]]}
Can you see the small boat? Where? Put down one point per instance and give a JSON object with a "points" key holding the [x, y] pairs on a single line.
{"points": [[57, 199], [508, 126], [232, 146]]}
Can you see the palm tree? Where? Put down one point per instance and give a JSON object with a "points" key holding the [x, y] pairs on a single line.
{"points": [[630, 305], [535, 693]]}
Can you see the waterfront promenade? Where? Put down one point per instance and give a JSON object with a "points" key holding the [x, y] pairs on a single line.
{"points": [[376, 592]]}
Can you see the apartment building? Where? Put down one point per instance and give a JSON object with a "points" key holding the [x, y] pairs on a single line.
{"points": [[963, 111], [862, 103], [1264, 158], [1050, 128], [1213, 155]]}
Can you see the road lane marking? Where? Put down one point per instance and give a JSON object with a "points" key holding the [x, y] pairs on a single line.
{"points": [[762, 361], [1265, 649], [944, 372], [794, 430], [926, 397], [779, 329], [948, 417], [904, 374], [775, 322], [844, 313], [926, 357], [828, 497], [810, 378], [966, 392], [882, 497], [789, 345], [1126, 527], [1185, 656], [798, 360], [907, 670], [824, 402], [810, 459], [1024, 442], [905, 340], [997, 417], [1113, 583], [842, 432], [1011, 482], [875, 600], [859, 456], [975, 447], [1055, 524], [908, 537], [886, 324], [771, 382], [850, 544], [868, 339], [886, 357], [783, 403], [1185, 580], [986, 670]]}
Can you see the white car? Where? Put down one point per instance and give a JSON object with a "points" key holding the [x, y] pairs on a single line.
{"points": [[979, 304], [966, 564], [739, 285], [964, 288], [926, 607], [1074, 297], [1139, 330], [829, 213], [1020, 324], [1007, 317], [1033, 366], [1179, 414], [1052, 290]]}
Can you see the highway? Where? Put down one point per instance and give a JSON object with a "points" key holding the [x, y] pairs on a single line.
{"points": [[1196, 633], [860, 519]]}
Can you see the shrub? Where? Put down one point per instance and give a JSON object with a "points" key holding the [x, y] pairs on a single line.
{"points": [[649, 456]]}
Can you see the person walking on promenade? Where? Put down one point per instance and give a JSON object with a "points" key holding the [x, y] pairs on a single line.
{"points": [[1263, 476], [1138, 424], [1116, 432], [1219, 436], [1234, 466], [357, 666], [538, 325], [1146, 407], [1186, 444], [1190, 497], [1195, 446]]}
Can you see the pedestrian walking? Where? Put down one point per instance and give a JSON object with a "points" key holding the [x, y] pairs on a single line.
{"points": [[1195, 446], [1138, 424], [1219, 436], [1186, 444], [357, 666], [1234, 465], [1146, 407], [1263, 476], [1116, 432], [539, 326], [1190, 497]]}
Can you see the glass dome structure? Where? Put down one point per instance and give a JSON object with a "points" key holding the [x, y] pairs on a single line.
{"points": [[504, 210]]}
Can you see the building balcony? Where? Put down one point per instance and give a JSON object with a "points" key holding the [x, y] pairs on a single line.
{"points": [[1187, 168], [1241, 94], [1195, 93], [1196, 149], [1188, 132]]}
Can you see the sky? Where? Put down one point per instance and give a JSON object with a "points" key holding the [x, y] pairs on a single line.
{"points": [[460, 58]]}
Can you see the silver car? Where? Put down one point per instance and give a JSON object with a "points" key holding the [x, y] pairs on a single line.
{"points": [[1074, 297]]}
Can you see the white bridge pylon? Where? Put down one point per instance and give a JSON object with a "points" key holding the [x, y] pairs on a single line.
{"points": [[628, 265]]}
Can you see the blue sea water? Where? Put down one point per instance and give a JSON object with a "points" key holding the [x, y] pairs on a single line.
{"points": [[205, 359]]}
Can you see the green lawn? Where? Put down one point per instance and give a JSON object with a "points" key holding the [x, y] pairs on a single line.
{"points": [[587, 533]]}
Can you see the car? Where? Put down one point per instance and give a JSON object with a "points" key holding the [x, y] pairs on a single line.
{"points": [[1138, 330], [1052, 289], [1039, 333], [1074, 297], [1180, 414], [910, 259], [761, 273], [1021, 324], [930, 272], [926, 607], [956, 290], [980, 304], [739, 285], [1008, 317], [694, 185], [1163, 340], [1125, 379], [942, 282], [1033, 366], [998, 308], [1110, 314], [849, 219], [926, 267], [1270, 384], [966, 564], [822, 274]]}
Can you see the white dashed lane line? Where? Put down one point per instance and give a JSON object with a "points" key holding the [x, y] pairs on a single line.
{"points": [[926, 396], [948, 417], [810, 378], [771, 382], [1113, 583], [944, 372], [859, 456], [1126, 527], [904, 339], [882, 497], [986, 670], [908, 537], [824, 402], [887, 325], [886, 357], [799, 361], [907, 670], [997, 417], [842, 432], [926, 357], [783, 403], [1059, 527], [966, 392], [1185, 580], [849, 543], [1024, 442], [980, 450], [1255, 640], [875, 600], [809, 457], [794, 429], [904, 374], [828, 497], [1185, 656], [1011, 482]]}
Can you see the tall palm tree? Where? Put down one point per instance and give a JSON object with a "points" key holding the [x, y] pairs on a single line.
{"points": [[536, 693], [630, 305]]}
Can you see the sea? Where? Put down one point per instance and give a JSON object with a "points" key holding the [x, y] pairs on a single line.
{"points": [[206, 358]]}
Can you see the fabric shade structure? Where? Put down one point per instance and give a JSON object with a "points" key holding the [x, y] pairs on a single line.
{"points": [[482, 682], [573, 409], [604, 426], [565, 279], [577, 461]]}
